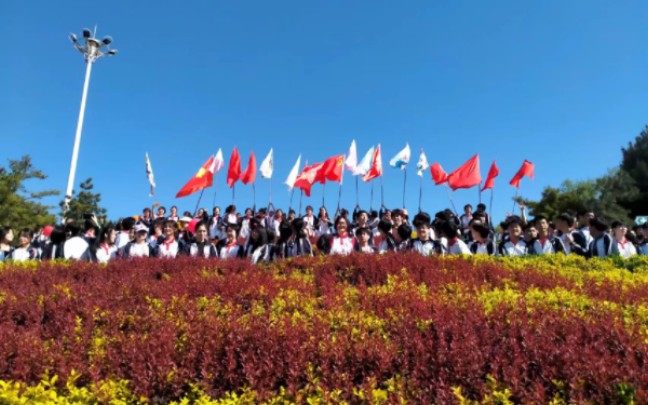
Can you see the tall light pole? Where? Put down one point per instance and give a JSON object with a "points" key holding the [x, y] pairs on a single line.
{"points": [[92, 50]]}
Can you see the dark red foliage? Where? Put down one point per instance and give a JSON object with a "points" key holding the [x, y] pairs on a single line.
{"points": [[144, 321]]}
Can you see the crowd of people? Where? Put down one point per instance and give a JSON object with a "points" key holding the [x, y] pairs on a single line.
{"points": [[269, 234]]}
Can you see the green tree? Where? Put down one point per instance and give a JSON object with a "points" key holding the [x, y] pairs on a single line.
{"points": [[83, 203], [602, 196], [20, 208], [635, 164]]}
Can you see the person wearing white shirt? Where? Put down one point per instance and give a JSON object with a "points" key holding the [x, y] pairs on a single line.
{"points": [[202, 247], [106, 251], [342, 243], [642, 249], [621, 245], [124, 236], [229, 248], [169, 247], [363, 237], [75, 247], [515, 244], [24, 251], [424, 244], [481, 243], [456, 246], [139, 247], [601, 245]]}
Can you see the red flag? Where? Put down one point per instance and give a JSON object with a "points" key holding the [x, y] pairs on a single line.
{"points": [[250, 173], [490, 179], [331, 169], [307, 177], [202, 179], [234, 170], [467, 175], [376, 166], [526, 170], [438, 174]]}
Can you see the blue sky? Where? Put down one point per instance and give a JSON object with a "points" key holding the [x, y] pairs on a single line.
{"points": [[562, 84]]}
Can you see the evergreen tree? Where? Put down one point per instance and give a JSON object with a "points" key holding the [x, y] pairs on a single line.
{"points": [[20, 208], [635, 164], [84, 203]]}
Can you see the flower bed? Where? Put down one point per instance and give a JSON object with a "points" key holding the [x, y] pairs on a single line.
{"points": [[359, 328]]}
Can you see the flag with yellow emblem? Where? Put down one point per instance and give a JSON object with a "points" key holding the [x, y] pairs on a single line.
{"points": [[202, 179]]}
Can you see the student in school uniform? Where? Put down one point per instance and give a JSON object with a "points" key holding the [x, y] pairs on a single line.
{"points": [[450, 232], [229, 247], [303, 245], [482, 243], [363, 238], [620, 244], [387, 244], [546, 243], [201, 246], [322, 223], [216, 226], [6, 240], [573, 241], [106, 250], [53, 249], [161, 213], [124, 236], [173, 215], [342, 243], [424, 244], [642, 249], [146, 218], [139, 246], [584, 218], [258, 250], [601, 245], [24, 251], [170, 246], [465, 219], [514, 245], [75, 246]]}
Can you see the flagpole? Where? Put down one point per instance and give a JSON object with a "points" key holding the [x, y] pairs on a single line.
{"points": [[292, 193], [382, 192], [357, 198], [404, 183], [323, 193], [233, 193], [450, 198], [253, 197], [301, 196], [479, 191], [420, 192], [371, 200], [198, 203], [491, 206], [516, 195], [214, 200]]}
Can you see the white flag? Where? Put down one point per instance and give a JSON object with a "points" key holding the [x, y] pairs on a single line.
{"points": [[422, 164], [266, 166], [365, 164], [149, 176], [352, 158], [219, 162], [402, 158], [292, 176]]}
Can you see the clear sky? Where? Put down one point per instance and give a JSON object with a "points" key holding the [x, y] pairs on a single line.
{"points": [[560, 83]]}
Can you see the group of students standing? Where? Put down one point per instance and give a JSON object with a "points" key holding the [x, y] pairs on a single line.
{"points": [[268, 235]]}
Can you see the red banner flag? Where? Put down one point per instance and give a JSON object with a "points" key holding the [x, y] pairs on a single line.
{"points": [[438, 174], [307, 177], [250, 173], [202, 179], [490, 179], [526, 170], [331, 169], [376, 166], [467, 175], [234, 170]]}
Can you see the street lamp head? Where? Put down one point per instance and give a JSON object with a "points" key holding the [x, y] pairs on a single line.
{"points": [[87, 33], [107, 40], [73, 38]]}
